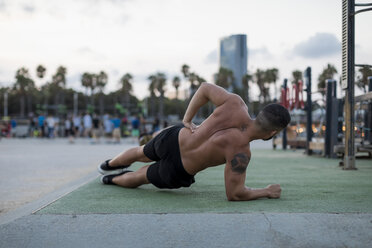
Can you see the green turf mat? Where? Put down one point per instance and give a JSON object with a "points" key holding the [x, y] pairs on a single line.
{"points": [[309, 184]]}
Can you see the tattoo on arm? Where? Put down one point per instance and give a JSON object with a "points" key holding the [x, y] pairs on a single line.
{"points": [[240, 163]]}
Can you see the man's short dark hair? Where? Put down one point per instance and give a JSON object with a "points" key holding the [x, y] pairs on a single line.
{"points": [[273, 117]]}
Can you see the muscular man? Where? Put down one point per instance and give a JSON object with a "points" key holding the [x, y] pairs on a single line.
{"points": [[182, 151]]}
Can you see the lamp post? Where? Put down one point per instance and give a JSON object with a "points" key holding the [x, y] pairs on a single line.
{"points": [[5, 103], [75, 103]]}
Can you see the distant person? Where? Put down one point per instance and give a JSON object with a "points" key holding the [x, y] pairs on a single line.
{"points": [[135, 126], [156, 125], [69, 129], [116, 132], [108, 127], [51, 124], [13, 128], [96, 128], [179, 152], [41, 124], [142, 127], [77, 125], [124, 126], [32, 126], [88, 124]]}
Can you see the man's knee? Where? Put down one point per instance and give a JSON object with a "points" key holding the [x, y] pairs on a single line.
{"points": [[141, 154]]}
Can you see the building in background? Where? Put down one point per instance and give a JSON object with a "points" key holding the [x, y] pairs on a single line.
{"points": [[233, 56]]}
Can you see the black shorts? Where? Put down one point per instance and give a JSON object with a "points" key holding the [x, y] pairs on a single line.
{"points": [[168, 171]]}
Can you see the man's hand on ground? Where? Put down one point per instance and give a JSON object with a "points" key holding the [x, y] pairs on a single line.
{"points": [[190, 126], [274, 190]]}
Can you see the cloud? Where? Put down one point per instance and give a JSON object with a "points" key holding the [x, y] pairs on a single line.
{"points": [[74, 80], [2, 5], [212, 57], [261, 51], [88, 52], [317, 46], [28, 8]]}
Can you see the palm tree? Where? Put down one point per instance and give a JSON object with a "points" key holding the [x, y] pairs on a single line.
{"points": [[327, 73], [245, 82], [126, 87], [176, 84], [102, 80], [59, 81], [22, 85], [185, 70], [260, 78], [60, 77], [297, 76], [86, 81], [40, 72], [161, 81], [92, 87], [362, 78], [200, 80], [272, 76], [152, 88], [224, 78], [193, 83]]}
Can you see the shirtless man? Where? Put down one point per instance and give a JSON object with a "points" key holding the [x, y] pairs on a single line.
{"points": [[182, 151]]}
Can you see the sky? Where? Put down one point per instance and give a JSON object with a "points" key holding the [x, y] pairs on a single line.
{"points": [[142, 37]]}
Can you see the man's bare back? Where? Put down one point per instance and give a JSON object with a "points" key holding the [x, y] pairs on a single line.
{"points": [[223, 138], [220, 133]]}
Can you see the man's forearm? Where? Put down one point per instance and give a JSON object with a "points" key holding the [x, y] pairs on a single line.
{"points": [[249, 194], [197, 101]]}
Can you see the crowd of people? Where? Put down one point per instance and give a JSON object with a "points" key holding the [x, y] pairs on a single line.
{"points": [[110, 128]]}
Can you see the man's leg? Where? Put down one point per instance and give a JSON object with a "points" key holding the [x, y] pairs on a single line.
{"points": [[132, 179], [129, 156]]}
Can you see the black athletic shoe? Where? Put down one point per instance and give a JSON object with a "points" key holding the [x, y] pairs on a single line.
{"points": [[107, 179], [105, 169]]}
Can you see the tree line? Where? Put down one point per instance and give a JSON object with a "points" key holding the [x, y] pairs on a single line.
{"points": [[54, 97]]}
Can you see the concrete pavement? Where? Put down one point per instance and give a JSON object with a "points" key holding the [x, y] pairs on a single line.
{"points": [[46, 170], [32, 168], [189, 230]]}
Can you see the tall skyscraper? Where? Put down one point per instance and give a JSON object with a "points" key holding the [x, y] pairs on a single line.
{"points": [[233, 56]]}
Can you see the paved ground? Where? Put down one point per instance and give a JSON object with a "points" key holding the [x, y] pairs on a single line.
{"points": [[189, 230], [32, 168], [40, 172]]}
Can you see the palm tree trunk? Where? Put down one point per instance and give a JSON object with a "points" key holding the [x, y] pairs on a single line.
{"points": [[101, 107], [127, 101], [22, 105], [161, 110], [152, 104], [46, 104], [29, 104]]}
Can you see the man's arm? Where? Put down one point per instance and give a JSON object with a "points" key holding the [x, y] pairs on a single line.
{"points": [[206, 92], [235, 173]]}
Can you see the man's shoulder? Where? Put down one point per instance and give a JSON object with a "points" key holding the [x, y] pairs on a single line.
{"points": [[234, 141]]}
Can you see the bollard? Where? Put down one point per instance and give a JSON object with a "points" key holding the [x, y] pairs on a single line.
{"points": [[309, 108], [327, 138], [369, 114], [284, 139]]}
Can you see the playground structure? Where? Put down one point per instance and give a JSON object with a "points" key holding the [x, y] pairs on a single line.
{"points": [[325, 133], [340, 122], [348, 72]]}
